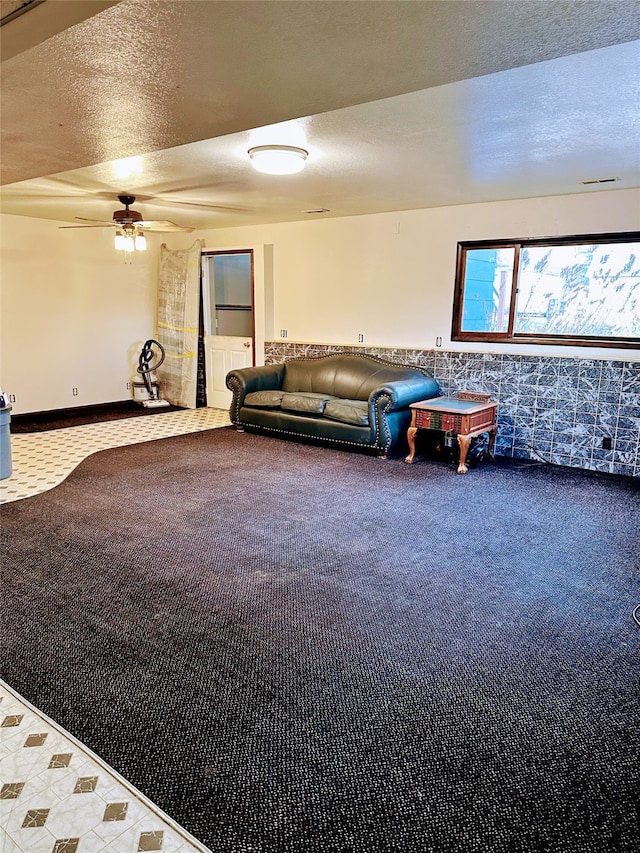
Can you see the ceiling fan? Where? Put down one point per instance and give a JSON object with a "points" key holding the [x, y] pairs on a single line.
{"points": [[130, 222]]}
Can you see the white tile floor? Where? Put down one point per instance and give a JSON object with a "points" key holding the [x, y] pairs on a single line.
{"points": [[56, 796], [42, 460]]}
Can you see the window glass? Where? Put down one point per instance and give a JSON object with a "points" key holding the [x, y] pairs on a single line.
{"points": [[487, 290], [587, 290], [554, 289]]}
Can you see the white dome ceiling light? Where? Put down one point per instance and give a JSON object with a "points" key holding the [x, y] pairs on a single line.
{"points": [[278, 159]]}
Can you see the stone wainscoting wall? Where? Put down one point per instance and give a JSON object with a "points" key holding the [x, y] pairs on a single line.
{"points": [[552, 409]]}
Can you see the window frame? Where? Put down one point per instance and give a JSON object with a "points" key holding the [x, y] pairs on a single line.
{"points": [[510, 336]]}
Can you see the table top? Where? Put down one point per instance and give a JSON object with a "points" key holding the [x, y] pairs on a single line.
{"points": [[453, 404]]}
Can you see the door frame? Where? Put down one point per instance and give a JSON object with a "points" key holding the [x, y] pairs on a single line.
{"points": [[263, 291], [206, 290]]}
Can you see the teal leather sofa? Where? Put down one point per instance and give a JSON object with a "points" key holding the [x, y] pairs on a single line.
{"points": [[346, 399]]}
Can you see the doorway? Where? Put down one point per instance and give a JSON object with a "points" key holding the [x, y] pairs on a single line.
{"points": [[229, 318]]}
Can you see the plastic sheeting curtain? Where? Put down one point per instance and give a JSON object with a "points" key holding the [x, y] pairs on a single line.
{"points": [[178, 322]]}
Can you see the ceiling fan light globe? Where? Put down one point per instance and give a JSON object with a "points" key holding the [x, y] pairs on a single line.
{"points": [[118, 241], [140, 243], [129, 245], [278, 159]]}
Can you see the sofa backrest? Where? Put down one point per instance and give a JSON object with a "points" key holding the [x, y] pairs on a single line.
{"points": [[352, 377]]}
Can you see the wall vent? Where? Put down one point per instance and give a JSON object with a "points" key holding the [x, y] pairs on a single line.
{"points": [[318, 210], [591, 181], [12, 9]]}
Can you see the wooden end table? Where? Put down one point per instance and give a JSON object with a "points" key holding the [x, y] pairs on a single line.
{"points": [[466, 415]]}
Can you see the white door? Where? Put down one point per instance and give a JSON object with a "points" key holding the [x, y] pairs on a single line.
{"points": [[228, 319], [224, 353]]}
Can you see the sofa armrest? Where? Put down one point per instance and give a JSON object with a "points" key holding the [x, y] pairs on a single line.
{"points": [[246, 380], [398, 395], [395, 397]]}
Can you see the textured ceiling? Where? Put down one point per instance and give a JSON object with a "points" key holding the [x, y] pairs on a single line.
{"points": [[401, 104]]}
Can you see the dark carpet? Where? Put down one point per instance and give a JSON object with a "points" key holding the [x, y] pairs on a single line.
{"points": [[293, 648], [63, 418]]}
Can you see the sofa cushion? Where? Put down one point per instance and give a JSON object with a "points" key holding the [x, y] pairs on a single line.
{"points": [[348, 411], [264, 399], [308, 403]]}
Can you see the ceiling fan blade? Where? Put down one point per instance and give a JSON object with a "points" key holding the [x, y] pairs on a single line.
{"points": [[86, 226], [162, 201], [162, 225], [165, 196], [85, 219]]}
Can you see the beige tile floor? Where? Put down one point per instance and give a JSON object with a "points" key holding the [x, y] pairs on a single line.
{"points": [[56, 796]]}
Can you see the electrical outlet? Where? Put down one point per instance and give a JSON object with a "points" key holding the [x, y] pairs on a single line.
{"points": [[12, 398], [283, 333], [438, 341], [74, 391], [606, 442], [361, 338], [128, 386]]}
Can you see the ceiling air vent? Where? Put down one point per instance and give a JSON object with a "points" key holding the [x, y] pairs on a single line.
{"points": [[592, 181], [12, 9], [318, 210]]}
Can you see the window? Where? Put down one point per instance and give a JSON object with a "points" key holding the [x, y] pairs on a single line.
{"points": [[560, 290]]}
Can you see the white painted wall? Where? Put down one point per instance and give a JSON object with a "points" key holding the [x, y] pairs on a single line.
{"points": [[391, 275], [74, 315]]}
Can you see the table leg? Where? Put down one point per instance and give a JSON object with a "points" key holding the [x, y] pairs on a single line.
{"points": [[463, 441], [492, 440], [411, 440]]}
